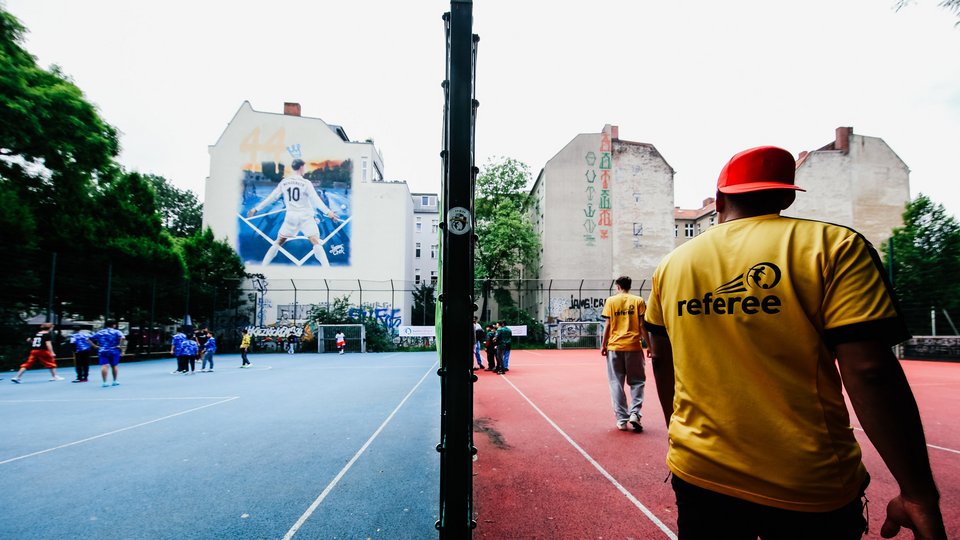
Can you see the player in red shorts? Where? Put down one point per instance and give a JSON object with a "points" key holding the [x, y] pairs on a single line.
{"points": [[41, 351]]}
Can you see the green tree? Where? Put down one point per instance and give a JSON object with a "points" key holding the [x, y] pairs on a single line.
{"points": [[215, 273], [424, 305], [180, 211], [926, 265], [507, 239], [50, 134]]}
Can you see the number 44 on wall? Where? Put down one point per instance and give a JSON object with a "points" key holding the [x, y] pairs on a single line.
{"points": [[271, 149]]}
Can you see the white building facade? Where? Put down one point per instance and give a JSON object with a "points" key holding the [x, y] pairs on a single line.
{"points": [[365, 248]]}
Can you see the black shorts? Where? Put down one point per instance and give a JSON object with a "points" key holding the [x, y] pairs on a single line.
{"points": [[702, 513]]}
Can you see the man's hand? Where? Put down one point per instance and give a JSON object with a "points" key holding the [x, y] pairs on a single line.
{"points": [[252, 212], [923, 519], [333, 217], [603, 350]]}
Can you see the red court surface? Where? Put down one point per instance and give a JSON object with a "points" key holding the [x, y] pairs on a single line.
{"points": [[551, 463]]}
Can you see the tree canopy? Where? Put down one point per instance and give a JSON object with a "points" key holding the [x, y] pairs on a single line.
{"points": [[91, 240], [507, 240], [925, 266]]}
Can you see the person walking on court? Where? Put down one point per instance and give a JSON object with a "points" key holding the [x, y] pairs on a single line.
{"points": [[244, 347], [622, 346], [80, 341], [341, 340], [108, 341], [209, 348], [504, 339], [41, 352], [478, 335], [757, 326]]}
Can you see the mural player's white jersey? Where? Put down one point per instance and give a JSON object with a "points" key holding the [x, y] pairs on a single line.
{"points": [[298, 195]]}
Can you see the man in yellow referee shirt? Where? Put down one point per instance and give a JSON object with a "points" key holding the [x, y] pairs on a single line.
{"points": [[623, 348], [756, 326]]}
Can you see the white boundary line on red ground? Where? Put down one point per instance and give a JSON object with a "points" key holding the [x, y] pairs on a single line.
{"points": [[114, 432], [646, 511], [333, 483], [928, 445]]}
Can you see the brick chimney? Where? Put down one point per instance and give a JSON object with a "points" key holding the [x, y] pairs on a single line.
{"points": [[615, 132], [291, 109], [843, 139]]}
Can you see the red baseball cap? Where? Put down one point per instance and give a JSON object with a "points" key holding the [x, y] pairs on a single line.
{"points": [[757, 169]]}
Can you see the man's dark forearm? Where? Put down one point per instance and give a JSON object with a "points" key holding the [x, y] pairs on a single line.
{"points": [[662, 360], [888, 413]]}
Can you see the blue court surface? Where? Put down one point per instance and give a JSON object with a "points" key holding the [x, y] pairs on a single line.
{"points": [[304, 446]]}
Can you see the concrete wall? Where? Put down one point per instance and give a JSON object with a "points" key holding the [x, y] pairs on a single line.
{"points": [[864, 185], [605, 209]]}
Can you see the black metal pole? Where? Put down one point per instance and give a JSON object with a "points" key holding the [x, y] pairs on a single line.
{"points": [[106, 315], [53, 277], [456, 289]]}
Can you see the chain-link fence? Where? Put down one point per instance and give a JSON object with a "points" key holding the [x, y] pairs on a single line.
{"points": [[151, 306]]}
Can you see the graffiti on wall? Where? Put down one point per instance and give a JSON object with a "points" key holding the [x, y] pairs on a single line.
{"points": [[295, 204], [573, 308], [382, 312]]}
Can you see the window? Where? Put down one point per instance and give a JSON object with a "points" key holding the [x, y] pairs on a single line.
{"points": [[363, 169], [433, 226], [638, 229], [636, 197], [433, 250], [433, 277], [699, 228], [419, 224], [425, 200], [688, 230], [636, 242], [416, 276], [711, 220], [676, 230], [417, 251]]}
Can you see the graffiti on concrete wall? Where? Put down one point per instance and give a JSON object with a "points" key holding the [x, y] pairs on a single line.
{"points": [[573, 308], [382, 312]]}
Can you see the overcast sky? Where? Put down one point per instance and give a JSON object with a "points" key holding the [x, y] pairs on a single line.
{"points": [[700, 80]]}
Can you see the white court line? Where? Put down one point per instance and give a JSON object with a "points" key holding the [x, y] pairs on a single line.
{"points": [[654, 519], [110, 399], [333, 483], [114, 432], [929, 445]]}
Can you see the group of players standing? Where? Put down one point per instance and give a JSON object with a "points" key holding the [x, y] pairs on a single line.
{"points": [[496, 341], [200, 345], [107, 342]]}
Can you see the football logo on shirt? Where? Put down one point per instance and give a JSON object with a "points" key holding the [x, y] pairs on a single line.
{"points": [[728, 300]]}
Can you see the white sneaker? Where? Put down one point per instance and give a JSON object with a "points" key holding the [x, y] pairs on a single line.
{"points": [[56, 378], [635, 422], [622, 425]]}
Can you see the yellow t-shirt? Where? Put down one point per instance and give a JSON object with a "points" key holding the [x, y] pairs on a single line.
{"points": [[752, 308], [245, 342], [623, 312]]}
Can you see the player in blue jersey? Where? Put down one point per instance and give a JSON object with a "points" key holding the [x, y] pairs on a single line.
{"points": [[80, 340], [176, 349], [209, 347], [108, 342]]}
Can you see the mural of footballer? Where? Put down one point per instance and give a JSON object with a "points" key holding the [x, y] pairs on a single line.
{"points": [[301, 202]]}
